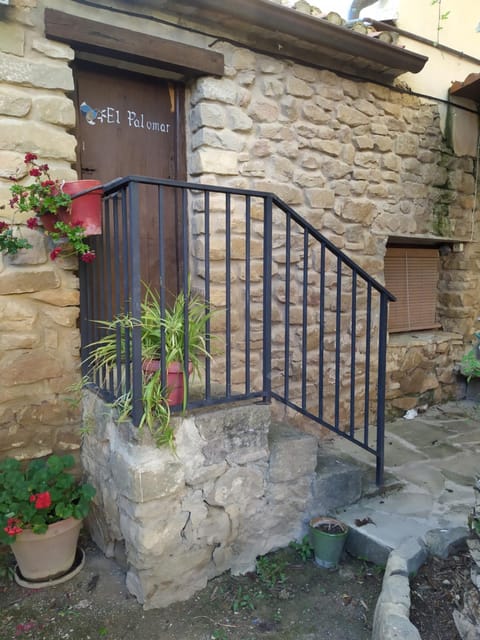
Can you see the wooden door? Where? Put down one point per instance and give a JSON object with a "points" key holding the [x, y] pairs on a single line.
{"points": [[130, 124]]}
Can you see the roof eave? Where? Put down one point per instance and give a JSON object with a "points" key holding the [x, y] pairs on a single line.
{"points": [[278, 19]]}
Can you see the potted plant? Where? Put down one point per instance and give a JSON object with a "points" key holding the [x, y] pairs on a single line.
{"points": [[171, 325], [68, 222], [327, 537], [41, 511]]}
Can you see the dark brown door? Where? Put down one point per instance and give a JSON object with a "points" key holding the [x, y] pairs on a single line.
{"points": [[131, 124]]}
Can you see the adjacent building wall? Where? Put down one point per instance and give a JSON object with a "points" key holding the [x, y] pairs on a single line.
{"points": [[39, 339]]}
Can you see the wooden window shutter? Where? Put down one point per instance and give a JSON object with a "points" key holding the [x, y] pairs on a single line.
{"points": [[411, 274]]}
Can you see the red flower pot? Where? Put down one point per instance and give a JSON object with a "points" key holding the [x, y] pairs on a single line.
{"points": [[85, 210], [175, 385]]}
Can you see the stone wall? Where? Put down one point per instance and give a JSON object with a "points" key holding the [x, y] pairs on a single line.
{"points": [[39, 339], [362, 163], [420, 369], [235, 488]]}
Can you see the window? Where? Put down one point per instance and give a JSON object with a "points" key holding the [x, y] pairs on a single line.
{"points": [[411, 274]]}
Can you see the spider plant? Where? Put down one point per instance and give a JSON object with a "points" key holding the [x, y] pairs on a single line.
{"points": [[108, 353]]}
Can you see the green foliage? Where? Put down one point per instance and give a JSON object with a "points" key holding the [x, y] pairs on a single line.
{"points": [[39, 495], [74, 236], [303, 548], [10, 243], [219, 634], [271, 570], [242, 600], [469, 365]]}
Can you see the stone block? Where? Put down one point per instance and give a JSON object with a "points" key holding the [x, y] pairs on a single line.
{"points": [[237, 486], [27, 281], [55, 109], [146, 475], [28, 367], [35, 74], [224, 91], [43, 139], [36, 255], [17, 104], [298, 87], [320, 198], [336, 484], [219, 139], [238, 435], [12, 38], [52, 49], [207, 115], [292, 453], [442, 542], [351, 116], [214, 161], [264, 111]]}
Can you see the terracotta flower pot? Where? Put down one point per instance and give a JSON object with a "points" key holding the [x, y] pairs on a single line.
{"points": [[86, 210], [175, 385], [47, 555]]}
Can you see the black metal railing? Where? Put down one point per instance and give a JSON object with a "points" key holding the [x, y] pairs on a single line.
{"points": [[294, 319]]}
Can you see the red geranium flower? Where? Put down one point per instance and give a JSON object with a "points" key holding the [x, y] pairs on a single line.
{"points": [[35, 172], [13, 527], [88, 256], [3, 226], [29, 157], [42, 500], [32, 223], [55, 253]]}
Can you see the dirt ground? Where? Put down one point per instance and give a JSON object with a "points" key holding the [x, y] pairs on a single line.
{"points": [[286, 599], [436, 591]]}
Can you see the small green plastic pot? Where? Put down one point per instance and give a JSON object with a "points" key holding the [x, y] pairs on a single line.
{"points": [[327, 537]]}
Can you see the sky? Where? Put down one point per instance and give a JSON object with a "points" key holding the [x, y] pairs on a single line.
{"points": [[340, 6]]}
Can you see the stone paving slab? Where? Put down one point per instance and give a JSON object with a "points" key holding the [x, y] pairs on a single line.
{"points": [[434, 466]]}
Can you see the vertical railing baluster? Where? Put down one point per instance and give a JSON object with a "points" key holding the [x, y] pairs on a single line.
{"points": [[126, 288], [208, 368], [368, 329], [338, 334], [228, 315], [353, 348], [321, 336], [136, 310], [288, 249], [186, 288], [304, 318], [162, 285], [382, 370], [267, 299], [248, 232]]}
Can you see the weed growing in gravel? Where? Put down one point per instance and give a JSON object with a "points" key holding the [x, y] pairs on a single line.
{"points": [[303, 548], [271, 570]]}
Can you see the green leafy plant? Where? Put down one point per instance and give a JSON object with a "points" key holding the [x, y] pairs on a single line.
{"points": [[10, 243], [72, 241], [40, 494], [271, 570], [303, 548], [242, 600], [469, 365]]}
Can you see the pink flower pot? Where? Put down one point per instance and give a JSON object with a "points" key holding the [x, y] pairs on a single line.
{"points": [[41, 556]]}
